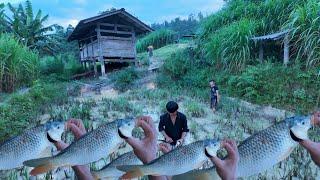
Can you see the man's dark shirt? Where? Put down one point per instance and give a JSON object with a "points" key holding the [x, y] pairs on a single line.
{"points": [[173, 131], [214, 90]]}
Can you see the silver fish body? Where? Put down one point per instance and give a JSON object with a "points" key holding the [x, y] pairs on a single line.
{"points": [[91, 147], [32, 143], [262, 150], [178, 161], [110, 170]]}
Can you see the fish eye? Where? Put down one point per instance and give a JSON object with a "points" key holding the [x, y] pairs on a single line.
{"points": [[303, 122]]}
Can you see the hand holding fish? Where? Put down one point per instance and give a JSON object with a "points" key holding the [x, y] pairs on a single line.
{"points": [[227, 168], [77, 128], [146, 149]]}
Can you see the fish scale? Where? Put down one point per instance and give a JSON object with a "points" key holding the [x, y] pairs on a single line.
{"points": [[260, 151], [98, 144], [110, 169], [89, 148], [29, 145], [177, 161]]}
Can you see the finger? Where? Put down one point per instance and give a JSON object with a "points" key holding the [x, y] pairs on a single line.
{"points": [[77, 132], [134, 142], [230, 150], [78, 123], [60, 145], [148, 130], [217, 161]]}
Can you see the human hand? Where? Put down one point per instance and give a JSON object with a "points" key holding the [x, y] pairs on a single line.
{"points": [[146, 148], [315, 119], [77, 128], [180, 142], [227, 168], [165, 147], [168, 139]]}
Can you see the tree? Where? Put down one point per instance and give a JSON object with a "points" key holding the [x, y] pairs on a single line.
{"points": [[30, 29], [2, 20]]}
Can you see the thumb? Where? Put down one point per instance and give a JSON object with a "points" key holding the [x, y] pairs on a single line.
{"points": [[217, 161]]}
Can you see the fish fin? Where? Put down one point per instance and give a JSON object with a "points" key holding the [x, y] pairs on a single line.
{"points": [[41, 169], [132, 171], [95, 176], [189, 176], [286, 154], [41, 165]]}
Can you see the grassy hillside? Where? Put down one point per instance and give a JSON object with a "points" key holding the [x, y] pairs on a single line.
{"points": [[225, 53]]}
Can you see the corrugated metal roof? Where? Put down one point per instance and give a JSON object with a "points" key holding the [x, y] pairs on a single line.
{"points": [[274, 36]]}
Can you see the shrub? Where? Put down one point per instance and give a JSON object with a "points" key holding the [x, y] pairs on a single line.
{"points": [[63, 66], [194, 109], [22, 109], [157, 39], [50, 64], [177, 66], [125, 78], [19, 66]]}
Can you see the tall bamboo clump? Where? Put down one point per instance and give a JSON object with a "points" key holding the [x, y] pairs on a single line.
{"points": [[19, 66]]}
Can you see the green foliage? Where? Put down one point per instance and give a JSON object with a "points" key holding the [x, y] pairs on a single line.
{"points": [[30, 29], [181, 26], [272, 83], [63, 65], [176, 66], [194, 109], [18, 65], [230, 45], [23, 109], [50, 64], [157, 39], [226, 34], [305, 24], [120, 104], [124, 79]]}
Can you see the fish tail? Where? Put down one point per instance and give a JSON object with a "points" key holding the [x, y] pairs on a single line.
{"points": [[95, 176], [41, 165], [132, 171]]}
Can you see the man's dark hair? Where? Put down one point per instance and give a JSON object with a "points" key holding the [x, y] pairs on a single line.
{"points": [[172, 106], [211, 80]]}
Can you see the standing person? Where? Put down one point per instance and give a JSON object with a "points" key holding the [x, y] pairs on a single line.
{"points": [[173, 125], [214, 95]]}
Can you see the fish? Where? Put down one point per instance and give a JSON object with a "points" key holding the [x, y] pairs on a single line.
{"points": [[262, 150], [110, 170], [32, 143], [177, 161], [89, 148]]}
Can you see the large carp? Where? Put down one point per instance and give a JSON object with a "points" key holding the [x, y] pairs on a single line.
{"points": [[89, 148], [262, 150], [32, 143], [177, 161]]}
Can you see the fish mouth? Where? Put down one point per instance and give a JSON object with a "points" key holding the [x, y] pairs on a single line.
{"points": [[207, 154], [51, 139], [122, 135], [294, 137]]}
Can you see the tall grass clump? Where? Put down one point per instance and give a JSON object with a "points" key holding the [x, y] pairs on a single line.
{"points": [[230, 47], [305, 25], [125, 78], [157, 39], [19, 66]]}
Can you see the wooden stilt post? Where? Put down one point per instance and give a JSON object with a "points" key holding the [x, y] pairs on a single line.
{"points": [[100, 56], [286, 50], [135, 49], [261, 51]]}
